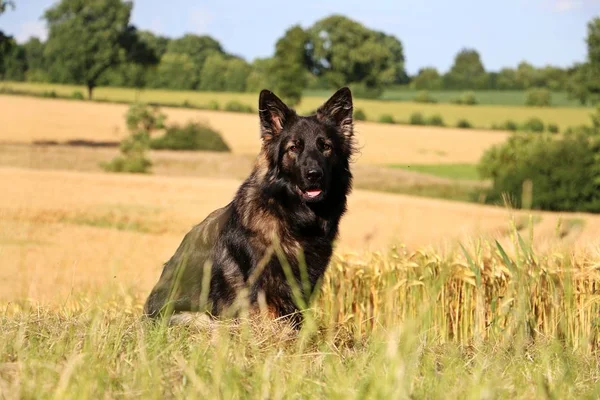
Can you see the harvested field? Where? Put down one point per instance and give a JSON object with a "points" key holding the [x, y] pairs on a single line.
{"points": [[79, 230], [379, 144]]}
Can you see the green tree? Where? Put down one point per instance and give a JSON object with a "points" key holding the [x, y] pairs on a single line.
{"points": [[175, 71], [87, 38], [7, 43], [236, 75], [427, 78], [584, 84], [507, 79], [5, 4], [259, 77], [288, 70], [212, 77], [36, 64], [467, 72], [345, 52], [15, 63], [198, 49]]}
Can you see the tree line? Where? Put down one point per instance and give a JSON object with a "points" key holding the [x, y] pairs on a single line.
{"points": [[95, 44]]}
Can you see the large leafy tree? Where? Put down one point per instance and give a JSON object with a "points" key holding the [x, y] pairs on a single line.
{"points": [[197, 49], [585, 81], [236, 75], [290, 65], [345, 52], [7, 43], [427, 78], [467, 72], [87, 38]]}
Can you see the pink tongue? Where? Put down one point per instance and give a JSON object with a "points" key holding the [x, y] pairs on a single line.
{"points": [[313, 193]]}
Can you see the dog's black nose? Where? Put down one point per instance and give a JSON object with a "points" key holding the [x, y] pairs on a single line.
{"points": [[314, 175]]}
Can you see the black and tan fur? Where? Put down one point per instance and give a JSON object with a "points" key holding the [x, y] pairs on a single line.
{"points": [[290, 205]]}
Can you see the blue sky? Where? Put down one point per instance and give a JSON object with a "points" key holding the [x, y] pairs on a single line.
{"points": [[505, 32]]}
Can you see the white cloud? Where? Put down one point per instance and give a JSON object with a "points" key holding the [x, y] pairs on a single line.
{"points": [[31, 29], [200, 20]]}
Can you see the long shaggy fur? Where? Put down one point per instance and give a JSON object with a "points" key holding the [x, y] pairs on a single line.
{"points": [[277, 233]]}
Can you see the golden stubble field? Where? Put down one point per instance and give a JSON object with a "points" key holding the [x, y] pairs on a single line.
{"points": [[70, 231], [63, 232], [379, 144]]}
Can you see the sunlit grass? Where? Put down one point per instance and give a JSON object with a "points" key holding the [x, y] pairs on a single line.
{"points": [[481, 116], [480, 322], [452, 171]]}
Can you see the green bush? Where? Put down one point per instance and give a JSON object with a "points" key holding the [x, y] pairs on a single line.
{"points": [[417, 118], [213, 105], [141, 121], [464, 124], [466, 98], [511, 126], [134, 165], [77, 95], [237, 106], [534, 125], [538, 97], [436, 120], [193, 136], [562, 173], [386, 119], [553, 128], [424, 97], [50, 94], [360, 115]]}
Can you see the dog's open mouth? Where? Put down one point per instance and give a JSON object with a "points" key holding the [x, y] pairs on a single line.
{"points": [[311, 194]]}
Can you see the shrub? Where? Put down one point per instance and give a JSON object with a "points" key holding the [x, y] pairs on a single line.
{"points": [[417, 118], [553, 128], [463, 123], [213, 105], [77, 95], [142, 121], [436, 120], [133, 155], [386, 119], [50, 94], [360, 115], [424, 97], [561, 173], [534, 125], [193, 136], [511, 126], [237, 106], [538, 97], [466, 98]]}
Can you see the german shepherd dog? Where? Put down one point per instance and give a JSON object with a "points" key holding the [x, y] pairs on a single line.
{"points": [[272, 243]]}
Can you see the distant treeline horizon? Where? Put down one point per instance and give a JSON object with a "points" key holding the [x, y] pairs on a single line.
{"points": [[96, 45]]}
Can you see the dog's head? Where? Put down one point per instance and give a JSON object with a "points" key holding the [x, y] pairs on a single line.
{"points": [[309, 154]]}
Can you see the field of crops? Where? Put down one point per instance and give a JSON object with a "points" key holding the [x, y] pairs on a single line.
{"points": [[424, 298], [484, 97], [80, 251], [482, 116], [378, 143]]}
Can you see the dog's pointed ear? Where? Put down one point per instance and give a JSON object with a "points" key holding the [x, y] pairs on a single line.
{"points": [[338, 110], [274, 114]]}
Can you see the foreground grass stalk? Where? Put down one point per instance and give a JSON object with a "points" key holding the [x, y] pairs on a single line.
{"points": [[486, 321]]}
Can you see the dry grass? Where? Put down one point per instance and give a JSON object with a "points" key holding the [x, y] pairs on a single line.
{"points": [[479, 116], [75, 229], [379, 144], [480, 323]]}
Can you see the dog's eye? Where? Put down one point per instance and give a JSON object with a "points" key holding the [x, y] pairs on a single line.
{"points": [[293, 149], [326, 147]]}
